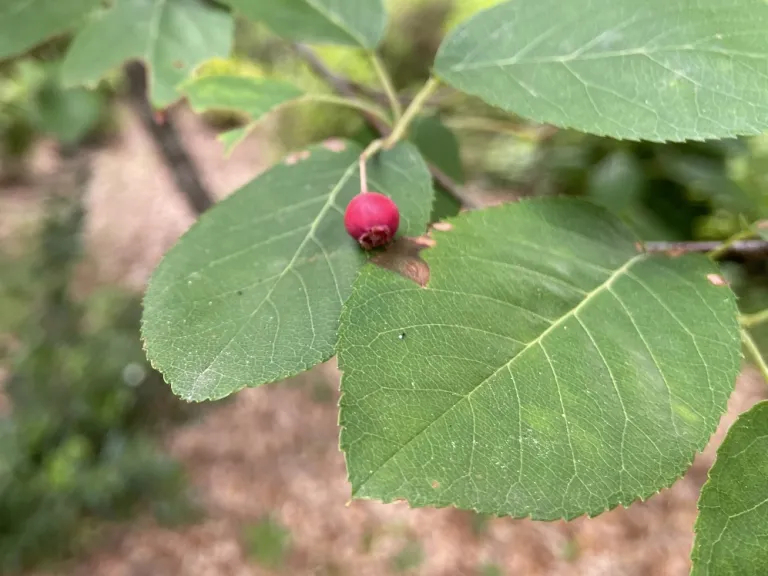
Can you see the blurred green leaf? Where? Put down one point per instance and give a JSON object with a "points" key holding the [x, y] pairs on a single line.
{"points": [[410, 557], [253, 292], [26, 23], [446, 205], [267, 542], [439, 146], [490, 570], [618, 183], [706, 177], [629, 70], [348, 22], [547, 362], [173, 37], [733, 509], [252, 96], [70, 114]]}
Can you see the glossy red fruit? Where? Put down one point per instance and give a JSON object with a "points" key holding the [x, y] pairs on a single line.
{"points": [[372, 219]]}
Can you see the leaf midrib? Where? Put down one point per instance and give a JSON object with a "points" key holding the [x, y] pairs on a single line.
{"points": [[341, 24], [515, 61], [607, 283], [307, 238]]}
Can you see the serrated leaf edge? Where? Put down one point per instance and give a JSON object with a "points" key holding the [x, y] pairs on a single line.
{"points": [[459, 219], [192, 397]]}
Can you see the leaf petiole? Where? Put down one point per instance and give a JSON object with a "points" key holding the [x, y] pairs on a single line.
{"points": [[387, 85], [749, 320], [372, 148], [401, 127], [754, 352]]}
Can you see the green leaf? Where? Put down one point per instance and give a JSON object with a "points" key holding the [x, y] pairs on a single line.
{"points": [[618, 184], [346, 22], [439, 146], [255, 97], [172, 36], [26, 23], [445, 206], [253, 292], [654, 70], [732, 526], [231, 138], [548, 369], [69, 115]]}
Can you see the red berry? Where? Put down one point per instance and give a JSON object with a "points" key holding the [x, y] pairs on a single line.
{"points": [[372, 219]]}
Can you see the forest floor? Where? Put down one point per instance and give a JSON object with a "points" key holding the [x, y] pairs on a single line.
{"points": [[273, 452]]}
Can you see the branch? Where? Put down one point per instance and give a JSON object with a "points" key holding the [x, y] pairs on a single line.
{"points": [[344, 87], [755, 247], [454, 189], [168, 143]]}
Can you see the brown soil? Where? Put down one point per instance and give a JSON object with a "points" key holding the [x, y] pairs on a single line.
{"points": [[274, 451]]}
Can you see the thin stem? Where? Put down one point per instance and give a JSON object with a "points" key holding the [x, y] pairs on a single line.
{"points": [[754, 352], [749, 320], [344, 87], [726, 246], [355, 103], [419, 100], [372, 148], [388, 85]]}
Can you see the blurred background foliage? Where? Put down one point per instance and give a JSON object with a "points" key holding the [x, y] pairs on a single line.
{"points": [[34, 105], [78, 445], [82, 408]]}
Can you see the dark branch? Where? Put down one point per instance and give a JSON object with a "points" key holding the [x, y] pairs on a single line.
{"points": [[168, 142], [752, 247], [341, 85], [454, 189]]}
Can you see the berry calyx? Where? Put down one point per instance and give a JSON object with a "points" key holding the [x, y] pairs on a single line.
{"points": [[372, 219]]}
